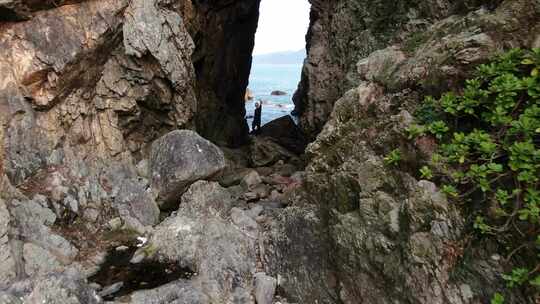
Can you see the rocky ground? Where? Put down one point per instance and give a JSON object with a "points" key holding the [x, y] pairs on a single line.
{"points": [[198, 236], [127, 174]]}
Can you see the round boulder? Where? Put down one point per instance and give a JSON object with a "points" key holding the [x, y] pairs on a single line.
{"points": [[177, 160]]}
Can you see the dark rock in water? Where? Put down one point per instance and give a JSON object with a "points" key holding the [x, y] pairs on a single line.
{"points": [[179, 159], [286, 133], [278, 93]]}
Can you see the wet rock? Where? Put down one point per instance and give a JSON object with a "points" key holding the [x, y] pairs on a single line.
{"points": [[179, 159], [265, 288], [286, 133]]}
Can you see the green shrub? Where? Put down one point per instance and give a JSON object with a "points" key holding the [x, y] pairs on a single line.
{"points": [[393, 158], [489, 156]]}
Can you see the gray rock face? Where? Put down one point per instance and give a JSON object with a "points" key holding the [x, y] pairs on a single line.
{"points": [[333, 48], [201, 237], [179, 159], [61, 289], [134, 200], [7, 262], [389, 236], [174, 293]]}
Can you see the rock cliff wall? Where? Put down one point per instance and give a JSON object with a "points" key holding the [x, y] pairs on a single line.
{"points": [[86, 89], [224, 33], [342, 32], [385, 236]]}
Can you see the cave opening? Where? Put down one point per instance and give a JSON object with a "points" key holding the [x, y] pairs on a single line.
{"points": [[278, 57]]}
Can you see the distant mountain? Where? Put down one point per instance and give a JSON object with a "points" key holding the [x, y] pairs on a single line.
{"points": [[289, 57]]}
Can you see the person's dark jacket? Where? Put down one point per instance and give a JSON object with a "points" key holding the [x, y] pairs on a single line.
{"points": [[257, 118]]}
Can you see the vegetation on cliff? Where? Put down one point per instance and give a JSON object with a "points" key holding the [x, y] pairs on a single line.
{"points": [[488, 157]]}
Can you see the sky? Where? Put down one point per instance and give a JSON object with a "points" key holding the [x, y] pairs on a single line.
{"points": [[282, 26]]}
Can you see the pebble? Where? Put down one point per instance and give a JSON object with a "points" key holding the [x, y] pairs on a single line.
{"points": [[111, 289]]}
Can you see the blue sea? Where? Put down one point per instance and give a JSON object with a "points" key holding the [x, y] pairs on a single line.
{"points": [[266, 78]]}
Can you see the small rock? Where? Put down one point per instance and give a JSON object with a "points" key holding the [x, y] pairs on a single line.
{"points": [[278, 93], [95, 286], [143, 168], [138, 256], [262, 191], [142, 241], [91, 214], [250, 196], [121, 248], [111, 289], [255, 211], [251, 180], [243, 220], [275, 195], [269, 205], [265, 288], [115, 223]]}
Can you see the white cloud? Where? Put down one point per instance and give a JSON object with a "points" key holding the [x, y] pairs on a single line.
{"points": [[282, 26]]}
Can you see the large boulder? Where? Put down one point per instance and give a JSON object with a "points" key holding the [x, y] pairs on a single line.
{"points": [[285, 132], [201, 237], [179, 159]]}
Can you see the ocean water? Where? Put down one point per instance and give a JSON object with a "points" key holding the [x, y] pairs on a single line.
{"points": [[266, 78]]}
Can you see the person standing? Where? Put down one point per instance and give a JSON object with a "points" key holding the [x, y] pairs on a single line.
{"points": [[256, 125]]}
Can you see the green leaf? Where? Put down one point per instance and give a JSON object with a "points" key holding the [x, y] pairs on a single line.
{"points": [[535, 282], [426, 173], [497, 299], [517, 277], [393, 158], [450, 191]]}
